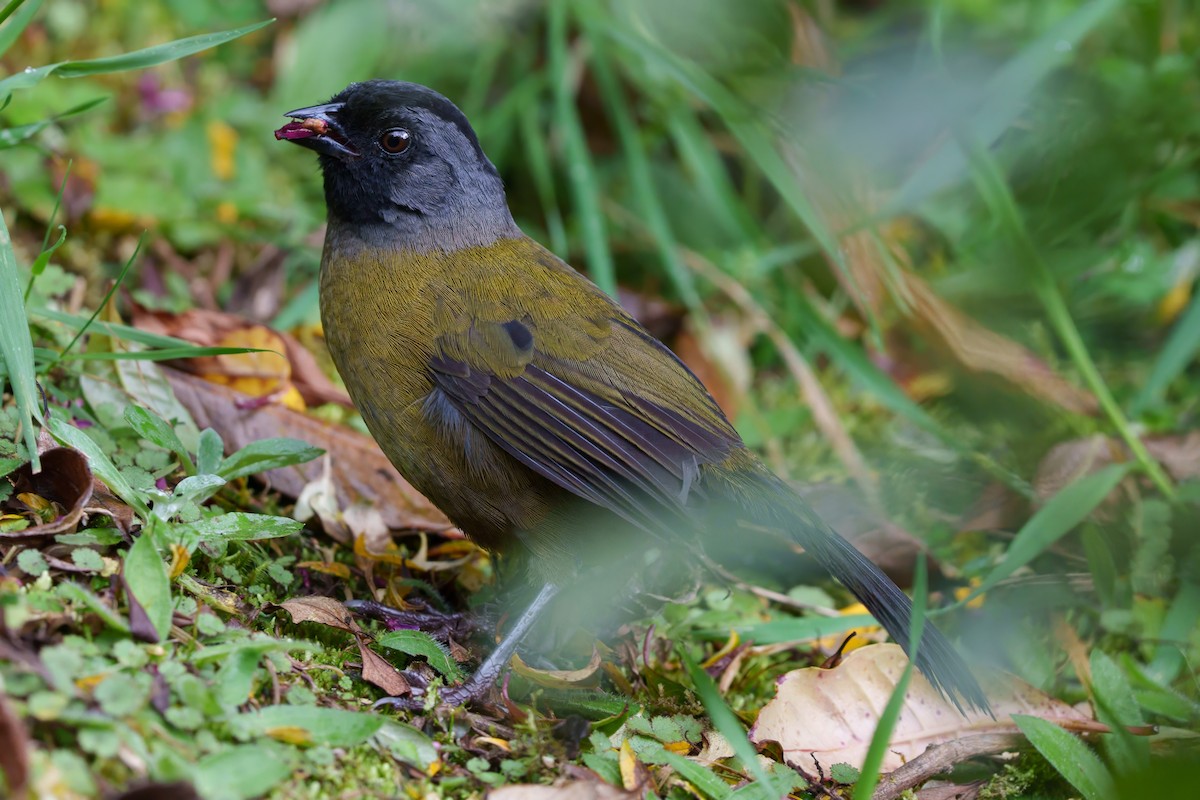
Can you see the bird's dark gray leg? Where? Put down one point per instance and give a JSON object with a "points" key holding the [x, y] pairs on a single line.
{"points": [[485, 677]]}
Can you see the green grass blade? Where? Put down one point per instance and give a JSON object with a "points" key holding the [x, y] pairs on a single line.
{"points": [[165, 354], [1180, 350], [727, 724], [100, 463], [138, 59], [638, 165], [882, 737], [581, 172], [995, 192], [1054, 520], [16, 346], [14, 18], [1000, 103], [537, 155], [1074, 760]]}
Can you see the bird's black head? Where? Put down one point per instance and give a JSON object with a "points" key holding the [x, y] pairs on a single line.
{"points": [[402, 155]]}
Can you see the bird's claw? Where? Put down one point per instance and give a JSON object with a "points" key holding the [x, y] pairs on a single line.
{"points": [[453, 697]]}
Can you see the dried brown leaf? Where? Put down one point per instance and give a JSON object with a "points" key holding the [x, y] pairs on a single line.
{"points": [[361, 472], [65, 482], [321, 610], [378, 671], [825, 717], [14, 750]]}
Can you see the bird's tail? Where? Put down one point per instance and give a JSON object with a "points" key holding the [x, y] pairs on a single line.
{"points": [[936, 657]]}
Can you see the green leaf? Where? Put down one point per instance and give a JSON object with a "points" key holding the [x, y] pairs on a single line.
{"points": [[73, 592], [146, 575], [165, 354], [864, 787], [32, 563], [16, 346], [332, 727], [1179, 351], [242, 526], [419, 643], [11, 137], [798, 629], [15, 25], [699, 776], [1054, 520], [209, 452], [1117, 707], [155, 429], [727, 724], [138, 59], [242, 773], [104, 468], [1001, 101], [267, 454], [1071, 757]]}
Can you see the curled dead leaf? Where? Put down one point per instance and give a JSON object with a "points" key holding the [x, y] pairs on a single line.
{"points": [[823, 717], [55, 498], [559, 679]]}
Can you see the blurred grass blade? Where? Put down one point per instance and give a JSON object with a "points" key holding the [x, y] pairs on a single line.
{"points": [[1054, 520], [649, 205], [1073, 759], [1179, 351], [538, 157], [581, 172], [14, 18], [882, 737], [118, 330], [16, 346], [1000, 102], [138, 59], [993, 188], [11, 137], [727, 724], [166, 354], [1116, 706], [1173, 637]]}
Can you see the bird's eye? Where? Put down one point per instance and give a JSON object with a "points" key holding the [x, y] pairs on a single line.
{"points": [[395, 141]]}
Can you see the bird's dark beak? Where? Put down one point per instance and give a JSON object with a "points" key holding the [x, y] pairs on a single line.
{"points": [[316, 128]]}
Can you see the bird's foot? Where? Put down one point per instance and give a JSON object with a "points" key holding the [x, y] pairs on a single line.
{"points": [[452, 696]]}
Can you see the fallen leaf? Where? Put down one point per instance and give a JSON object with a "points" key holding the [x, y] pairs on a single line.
{"points": [[361, 472], [65, 482], [290, 366], [559, 679], [321, 610], [568, 790], [329, 612], [378, 671], [822, 717]]}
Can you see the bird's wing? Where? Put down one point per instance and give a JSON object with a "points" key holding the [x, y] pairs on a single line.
{"points": [[596, 405]]}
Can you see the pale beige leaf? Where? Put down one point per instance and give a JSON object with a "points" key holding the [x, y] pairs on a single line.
{"points": [[569, 790], [822, 717]]}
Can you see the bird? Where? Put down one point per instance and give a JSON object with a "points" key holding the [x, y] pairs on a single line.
{"points": [[514, 393]]}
